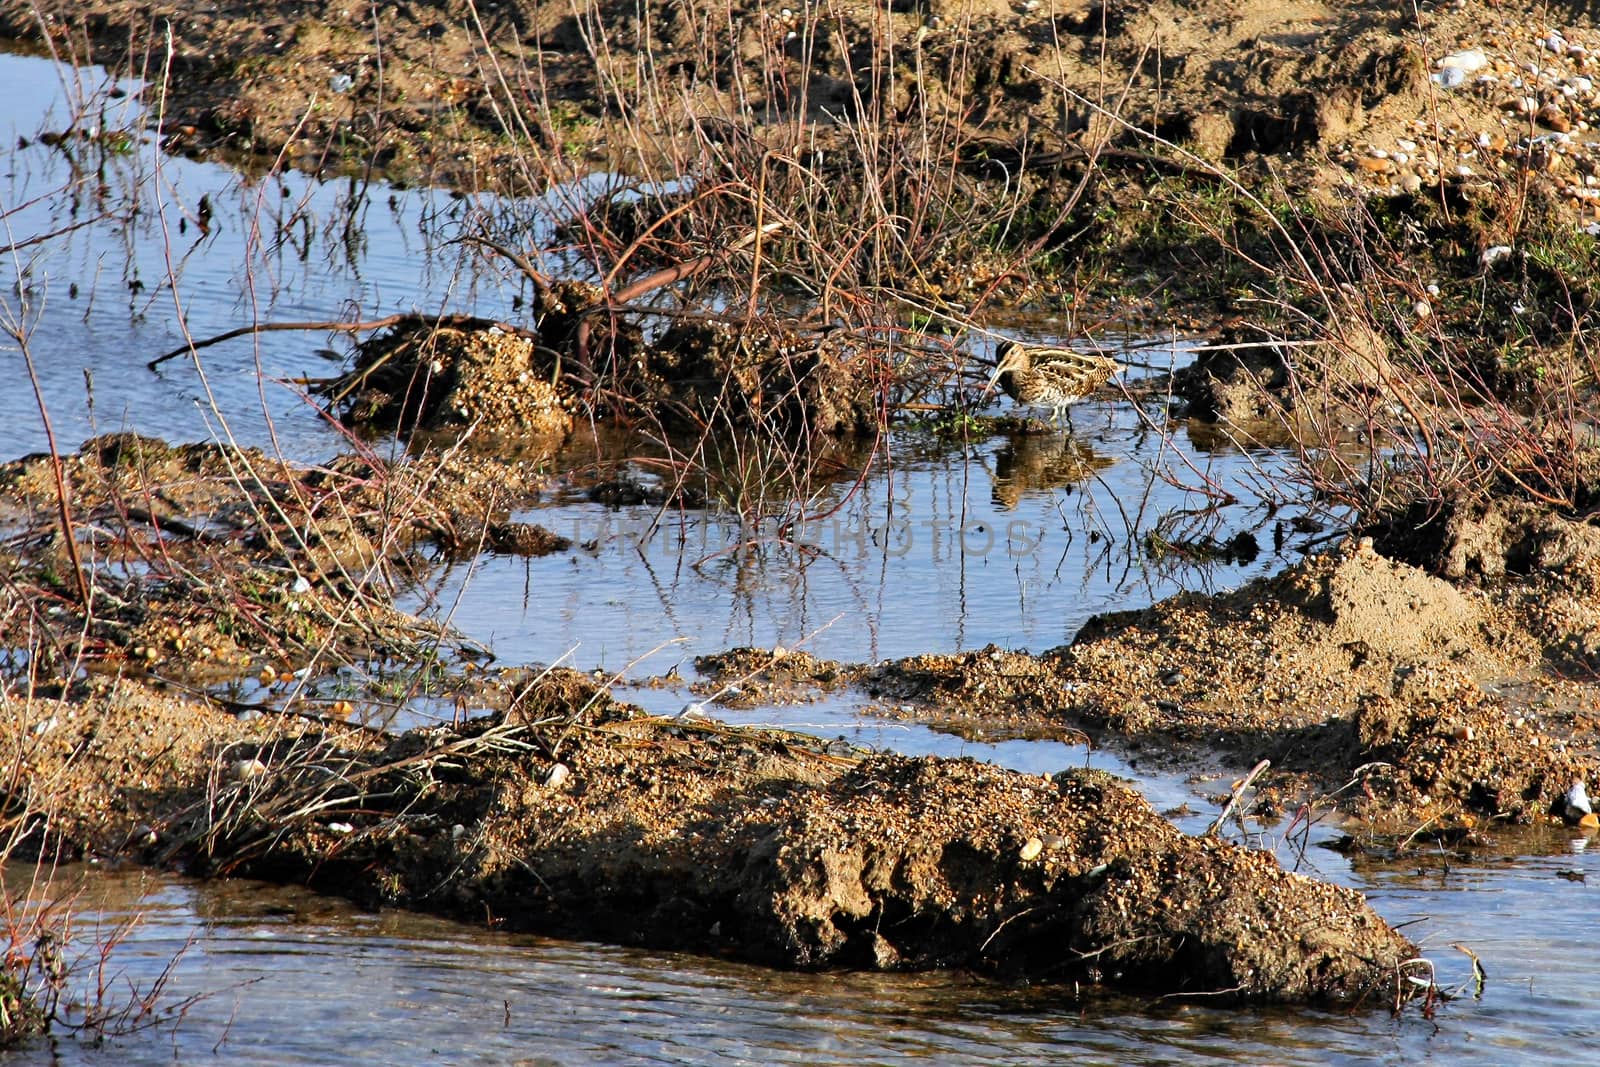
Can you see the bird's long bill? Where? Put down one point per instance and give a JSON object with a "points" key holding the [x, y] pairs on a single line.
{"points": [[988, 388]]}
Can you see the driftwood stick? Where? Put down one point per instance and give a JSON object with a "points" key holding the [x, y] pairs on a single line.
{"points": [[334, 327], [267, 327]]}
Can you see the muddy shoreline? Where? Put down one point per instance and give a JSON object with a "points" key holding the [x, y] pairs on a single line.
{"points": [[1429, 674], [762, 847], [413, 96], [1370, 685]]}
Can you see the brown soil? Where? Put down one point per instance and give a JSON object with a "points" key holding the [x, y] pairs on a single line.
{"points": [[1346, 667], [1349, 668], [440, 92], [418, 92], [207, 562], [567, 813], [442, 376], [575, 816], [457, 376]]}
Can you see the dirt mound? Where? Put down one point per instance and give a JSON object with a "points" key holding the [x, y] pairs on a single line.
{"points": [[1312, 638], [97, 775], [1444, 742], [753, 374], [430, 375], [752, 677], [1542, 567], [1389, 611], [571, 815], [1347, 664], [992, 684], [451, 375]]}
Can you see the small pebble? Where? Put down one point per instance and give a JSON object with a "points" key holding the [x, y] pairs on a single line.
{"points": [[248, 770], [1575, 805]]}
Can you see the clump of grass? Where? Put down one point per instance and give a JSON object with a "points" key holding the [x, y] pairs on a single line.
{"points": [[1435, 348], [1469, 320]]}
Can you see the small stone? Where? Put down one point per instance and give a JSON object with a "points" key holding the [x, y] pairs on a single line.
{"points": [[248, 770], [1575, 805], [884, 955], [1031, 850], [1469, 61], [1552, 117], [557, 776]]}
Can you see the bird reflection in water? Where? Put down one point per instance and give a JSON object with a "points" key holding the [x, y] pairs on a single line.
{"points": [[1042, 463]]}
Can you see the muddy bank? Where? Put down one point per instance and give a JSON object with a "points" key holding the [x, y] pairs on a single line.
{"points": [[203, 561], [210, 566], [403, 88], [1403, 695], [567, 813], [968, 153], [576, 816], [510, 384], [1347, 668]]}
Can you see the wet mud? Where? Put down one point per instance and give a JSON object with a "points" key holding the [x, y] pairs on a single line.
{"points": [[1439, 670], [572, 815], [1226, 81], [1369, 684]]}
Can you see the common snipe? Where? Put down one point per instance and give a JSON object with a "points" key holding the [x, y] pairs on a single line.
{"points": [[1053, 378]]}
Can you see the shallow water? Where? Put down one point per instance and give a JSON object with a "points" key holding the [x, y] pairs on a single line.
{"points": [[289, 977], [99, 301], [945, 547]]}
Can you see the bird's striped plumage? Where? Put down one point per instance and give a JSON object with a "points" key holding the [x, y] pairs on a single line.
{"points": [[1053, 378]]}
